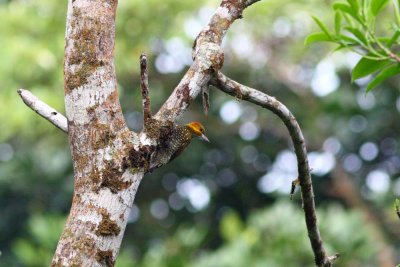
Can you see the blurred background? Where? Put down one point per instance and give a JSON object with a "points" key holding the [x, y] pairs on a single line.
{"points": [[224, 203]]}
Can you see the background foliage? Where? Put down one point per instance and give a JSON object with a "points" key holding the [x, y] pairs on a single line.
{"points": [[356, 30], [223, 203]]}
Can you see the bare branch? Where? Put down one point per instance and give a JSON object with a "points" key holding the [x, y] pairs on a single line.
{"points": [[44, 110], [208, 58], [206, 99], [250, 2], [261, 99], [144, 85]]}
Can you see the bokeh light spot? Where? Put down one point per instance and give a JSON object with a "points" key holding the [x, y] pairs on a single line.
{"points": [[378, 181], [195, 191], [352, 163], [369, 151], [324, 80], [230, 112], [249, 131], [159, 209]]}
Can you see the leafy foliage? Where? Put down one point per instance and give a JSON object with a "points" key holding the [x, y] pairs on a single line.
{"points": [[263, 239], [355, 22]]}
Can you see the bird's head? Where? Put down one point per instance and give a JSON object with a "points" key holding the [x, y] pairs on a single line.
{"points": [[197, 129]]}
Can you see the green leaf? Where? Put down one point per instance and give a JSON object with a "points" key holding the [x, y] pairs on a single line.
{"points": [[338, 22], [358, 34], [348, 39], [343, 7], [340, 47], [384, 39], [383, 75], [377, 5], [346, 9], [366, 66], [322, 26], [394, 38], [317, 37], [355, 5]]}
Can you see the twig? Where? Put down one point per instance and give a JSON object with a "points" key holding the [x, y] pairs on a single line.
{"points": [[44, 110], [206, 99], [293, 187], [261, 99], [334, 257], [250, 2], [144, 85]]}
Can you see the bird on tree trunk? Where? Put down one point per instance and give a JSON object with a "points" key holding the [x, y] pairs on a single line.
{"points": [[180, 138]]}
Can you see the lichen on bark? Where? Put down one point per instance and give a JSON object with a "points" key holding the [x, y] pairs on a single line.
{"points": [[107, 226]]}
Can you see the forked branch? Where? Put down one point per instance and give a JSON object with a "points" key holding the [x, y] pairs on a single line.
{"points": [[240, 91]]}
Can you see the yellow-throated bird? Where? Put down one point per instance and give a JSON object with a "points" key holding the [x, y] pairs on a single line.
{"points": [[183, 134], [180, 138]]}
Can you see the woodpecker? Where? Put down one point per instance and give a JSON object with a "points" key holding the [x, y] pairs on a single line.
{"points": [[180, 138], [183, 134]]}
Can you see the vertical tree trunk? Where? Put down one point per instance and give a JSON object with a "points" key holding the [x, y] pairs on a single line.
{"points": [[98, 138]]}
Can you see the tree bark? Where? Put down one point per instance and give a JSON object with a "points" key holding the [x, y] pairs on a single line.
{"points": [[109, 160], [104, 189]]}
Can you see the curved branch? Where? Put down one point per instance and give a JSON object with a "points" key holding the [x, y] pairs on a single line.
{"points": [[261, 99], [44, 110]]}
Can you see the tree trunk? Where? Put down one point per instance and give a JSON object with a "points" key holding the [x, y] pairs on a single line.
{"points": [[99, 138]]}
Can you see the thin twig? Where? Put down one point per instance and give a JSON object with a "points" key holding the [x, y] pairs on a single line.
{"points": [[206, 99], [44, 110], [250, 2], [252, 95], [293, 187], [334, 257], [144, 85]]}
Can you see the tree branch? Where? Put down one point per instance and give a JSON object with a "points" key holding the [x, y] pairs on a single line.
{"points": [[250, 2], [206, 99], [144, 85], [261, 99], [208, 58], [44, 110]]}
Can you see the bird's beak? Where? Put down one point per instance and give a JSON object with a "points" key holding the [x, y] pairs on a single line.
{"points": [[204, 138]]}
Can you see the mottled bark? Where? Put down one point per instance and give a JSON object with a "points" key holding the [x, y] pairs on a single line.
{"points": [[109, 160], [99, 140]]}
